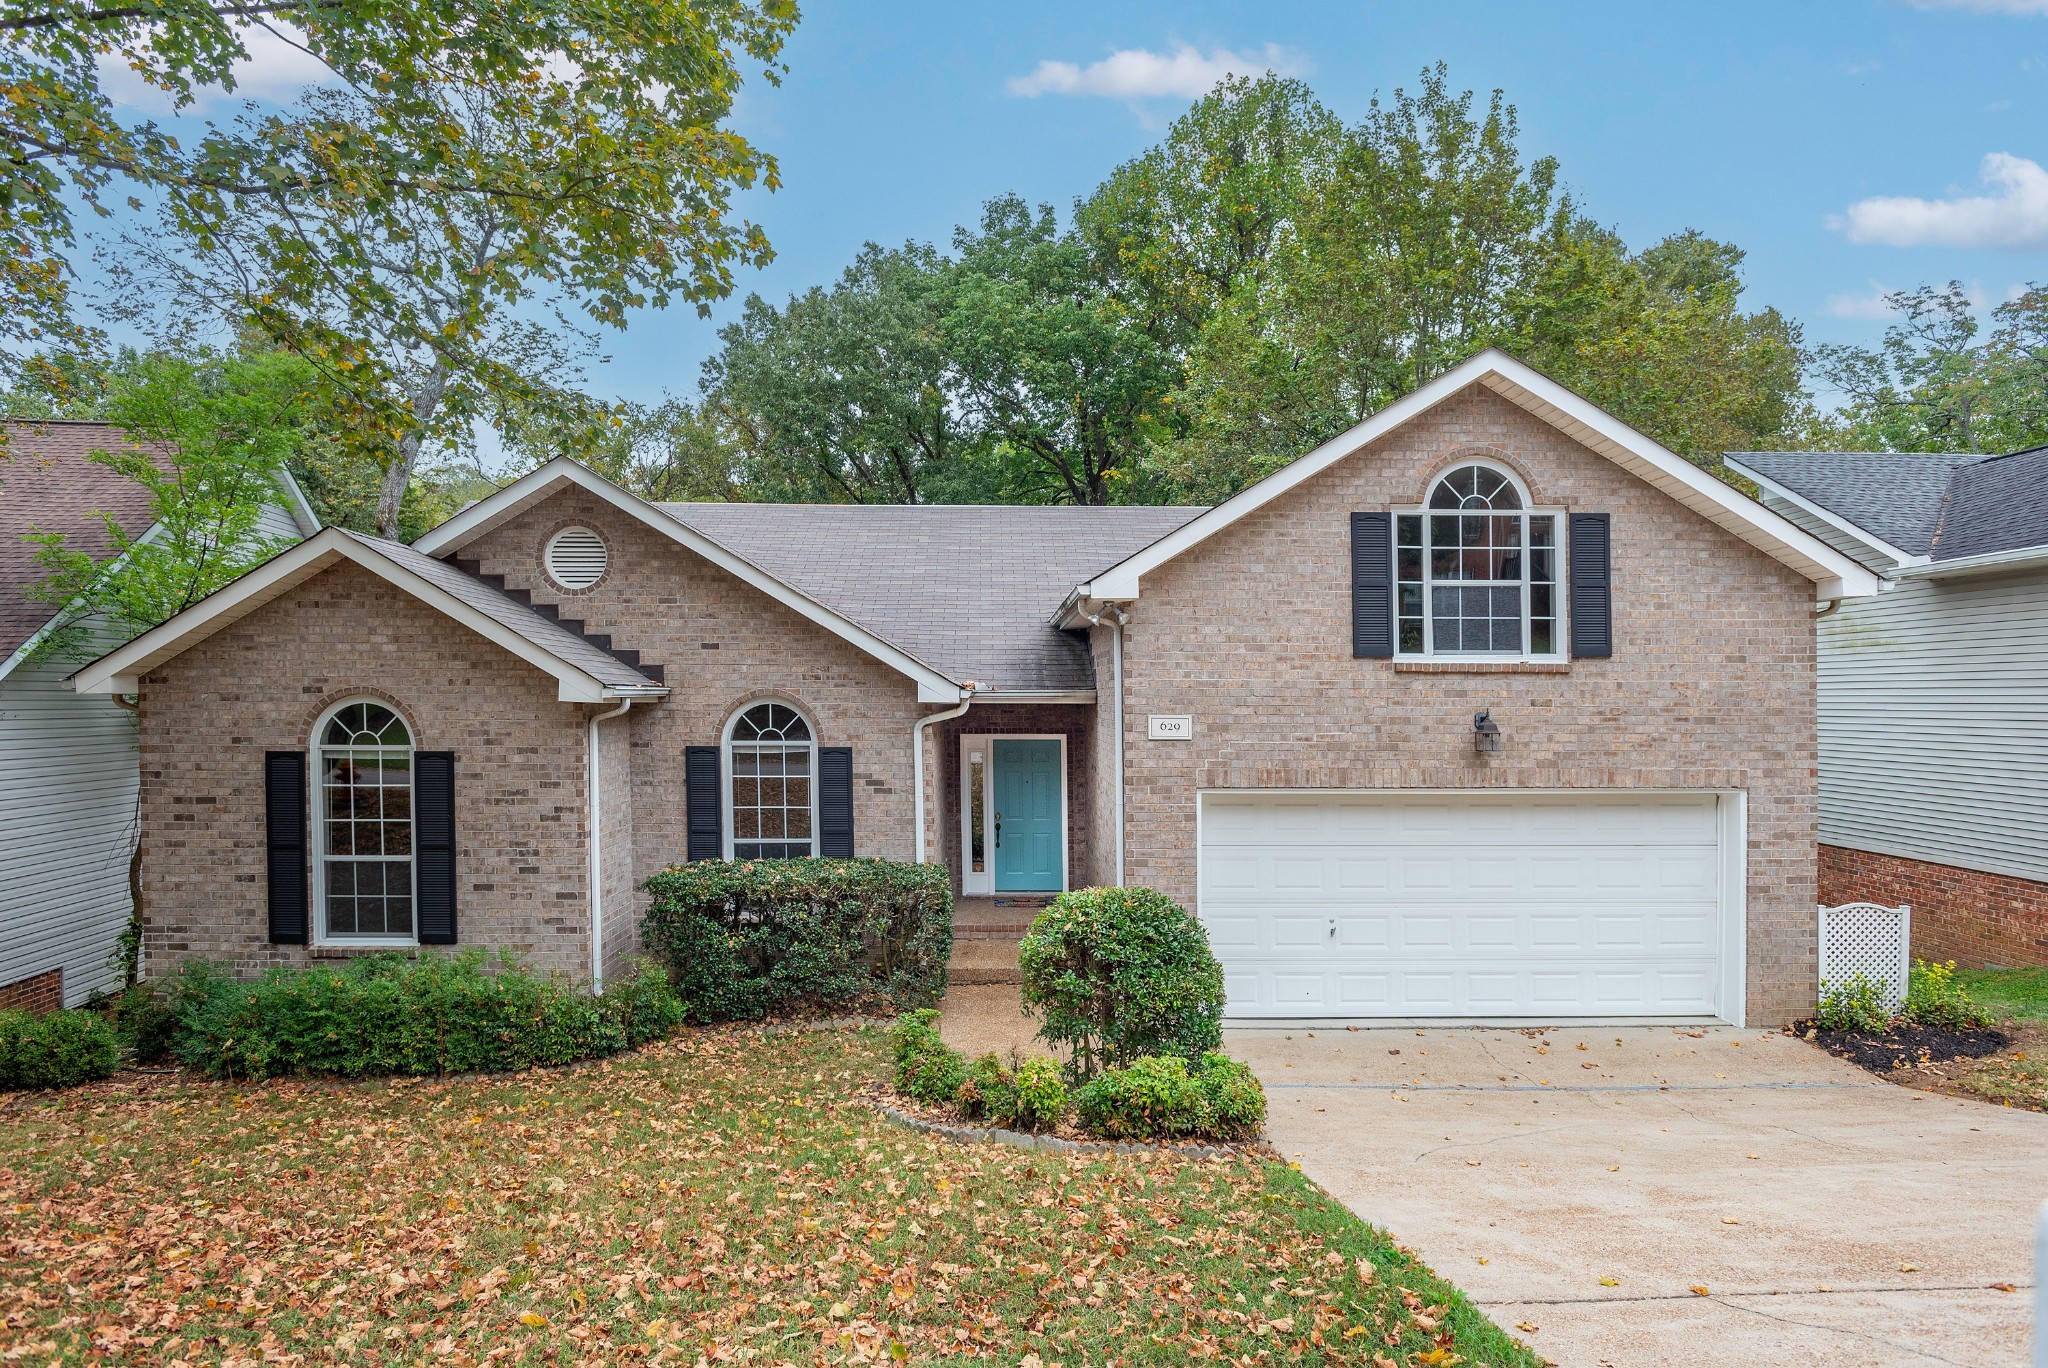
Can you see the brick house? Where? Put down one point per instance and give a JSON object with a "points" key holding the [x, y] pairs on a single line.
{"points": [[1933, 694], [1488, 708]]}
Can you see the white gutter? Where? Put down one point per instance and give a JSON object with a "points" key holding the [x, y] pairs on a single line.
{"points": [[917, 740], [1116, 619], [2022, 558], [597, 855]]}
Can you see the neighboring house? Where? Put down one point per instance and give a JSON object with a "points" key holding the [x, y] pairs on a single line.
{"points": [[1265, 709], [1934, 693], [67, 762]]}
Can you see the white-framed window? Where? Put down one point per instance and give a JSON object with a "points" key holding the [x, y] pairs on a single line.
{"points": [[771, 795], [1476, 571], [576, 558], [363, 877]]}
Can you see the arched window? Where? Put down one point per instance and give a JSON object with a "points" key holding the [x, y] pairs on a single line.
{"points": [[772, 756], [363, 878], [1477, 570]]}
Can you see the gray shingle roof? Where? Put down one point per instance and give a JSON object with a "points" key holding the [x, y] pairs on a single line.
{"points": [[1895, 497], [508, 612], [969, 590], [1998, 504], [1945, 505]]}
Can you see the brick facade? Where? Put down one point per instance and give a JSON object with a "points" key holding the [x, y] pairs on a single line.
{"points": [[259, 684], [1979, 920], [1711, 685], [42, 992]]}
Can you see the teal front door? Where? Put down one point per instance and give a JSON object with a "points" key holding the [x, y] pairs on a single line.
{"points": [[1029, 816]]}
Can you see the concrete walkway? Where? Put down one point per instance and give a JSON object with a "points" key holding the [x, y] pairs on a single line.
{"points": [[1585, 1181]]}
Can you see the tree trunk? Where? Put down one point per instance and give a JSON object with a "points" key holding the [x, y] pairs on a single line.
{"points": [[426, 402]]}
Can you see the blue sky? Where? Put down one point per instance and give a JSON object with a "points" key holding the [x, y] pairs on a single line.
{"points": [[1845, 145]]}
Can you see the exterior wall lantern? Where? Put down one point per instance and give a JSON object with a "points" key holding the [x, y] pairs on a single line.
{"points": [[1485, 733]]}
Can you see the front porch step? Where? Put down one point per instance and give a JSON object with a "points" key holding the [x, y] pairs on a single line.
{"points": [[984, 960]]}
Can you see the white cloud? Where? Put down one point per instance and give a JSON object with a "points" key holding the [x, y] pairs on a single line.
{"points": [[1135, 73], [2014, 215], [277, 69], [1985, 6], [1865, 306]]}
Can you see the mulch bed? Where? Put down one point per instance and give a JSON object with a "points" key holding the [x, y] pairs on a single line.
{"points": [[1907, 1047]]}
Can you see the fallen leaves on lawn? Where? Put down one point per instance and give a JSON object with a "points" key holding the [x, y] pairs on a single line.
{"points": [[721, 1197]]}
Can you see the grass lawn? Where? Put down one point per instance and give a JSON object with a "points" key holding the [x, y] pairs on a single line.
{"points": [[2019, 994], [723, 1197]]}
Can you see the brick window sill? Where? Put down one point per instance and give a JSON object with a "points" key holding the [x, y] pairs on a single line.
{"points": [[1483, 667]]}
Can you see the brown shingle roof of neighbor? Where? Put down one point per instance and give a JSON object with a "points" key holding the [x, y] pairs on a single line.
{"points": [[47, 484], [495, 604], [968, 589]]}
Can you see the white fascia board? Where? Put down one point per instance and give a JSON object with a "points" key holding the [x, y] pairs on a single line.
{"points": [[121, 670], [1990, 563], [296, 504], [1824, 514], [1834, 575], [523, 493]]}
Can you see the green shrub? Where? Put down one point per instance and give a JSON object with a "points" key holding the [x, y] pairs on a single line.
{"points": [[988, 1092], [1151, 1098], [1854, 1004], [1116, 974], [1237, 1104], [927, 1068], [142, 1018], [1934, 998], [744, 938], [1041, 1095], [912, 1033], [397, 1014], [55, 1049]]}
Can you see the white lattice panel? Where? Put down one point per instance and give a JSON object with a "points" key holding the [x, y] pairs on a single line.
{"points": [[1868, 939]]}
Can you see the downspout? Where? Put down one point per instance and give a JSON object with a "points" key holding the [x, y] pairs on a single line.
{"points": [[1833, 605], [917, 740], [597, 854], [1115, 618]]}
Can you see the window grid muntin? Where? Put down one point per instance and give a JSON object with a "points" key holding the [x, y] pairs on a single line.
{"points": [[1464, 496], [365, 826], [772, 791]]}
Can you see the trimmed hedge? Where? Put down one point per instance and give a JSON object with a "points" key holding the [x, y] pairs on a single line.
{"points": [[744, 938], [55, 1049], [1160, 1097], [1117, 974], [394, 1014]]}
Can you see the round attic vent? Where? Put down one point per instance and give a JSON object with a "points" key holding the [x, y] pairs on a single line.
{"points": [[576, 558]]}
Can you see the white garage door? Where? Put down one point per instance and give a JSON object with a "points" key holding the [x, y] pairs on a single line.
{"points": [[1484, 905]]}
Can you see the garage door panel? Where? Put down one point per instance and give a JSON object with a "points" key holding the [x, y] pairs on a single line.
{"points": [[1567, 905]]}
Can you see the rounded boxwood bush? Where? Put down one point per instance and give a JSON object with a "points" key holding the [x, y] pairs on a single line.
{"points": [[1116, 974], [56, 1049]]}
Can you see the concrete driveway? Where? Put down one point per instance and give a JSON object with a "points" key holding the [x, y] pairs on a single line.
{"points": [[1584, 1181]]}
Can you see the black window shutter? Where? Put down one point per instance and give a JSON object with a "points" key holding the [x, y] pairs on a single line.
{"points": [[1372, 586], [433, 830], [1592, 593], [284, 817], [701, 789], [835, 802]]}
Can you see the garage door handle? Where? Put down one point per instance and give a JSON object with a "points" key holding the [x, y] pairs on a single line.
{"points": [[1333, 928]]}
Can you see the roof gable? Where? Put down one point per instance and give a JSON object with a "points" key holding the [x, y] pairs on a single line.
{"points": [[1890, 500], [1833, 574], [1999, 503], [585, 673]]}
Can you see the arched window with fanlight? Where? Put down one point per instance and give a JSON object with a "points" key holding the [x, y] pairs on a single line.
{"points": [[364, 881], [772, 798], [1475, 571]]}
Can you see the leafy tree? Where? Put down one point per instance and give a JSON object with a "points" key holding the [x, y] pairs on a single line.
{"points": [[842, 395], [668, 452], [1062, 380], [619, 188], [207, 438], [1932, 385]]}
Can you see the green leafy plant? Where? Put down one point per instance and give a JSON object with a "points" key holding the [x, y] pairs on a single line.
{"points": [[989, 1092], [744, 938], [1161, 1097], [1934, 998], [1237, 1104], [55, 1049], [927, 1068], [394, 1014], [1119, 973], [1041, 1095], [1853, 1004]]}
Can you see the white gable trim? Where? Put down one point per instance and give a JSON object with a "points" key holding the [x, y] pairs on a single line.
{"points": [[1826, 515], [121, 670], [525, 492], [1834, 575]]}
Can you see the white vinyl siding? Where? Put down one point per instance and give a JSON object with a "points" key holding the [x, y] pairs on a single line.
{"points": [[1594, 904], [67, 808], [276, 522], [1934, 724]]}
